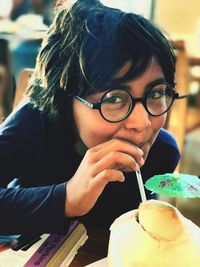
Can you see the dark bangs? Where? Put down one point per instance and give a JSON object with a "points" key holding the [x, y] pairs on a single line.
{"points": [[120, 38]]}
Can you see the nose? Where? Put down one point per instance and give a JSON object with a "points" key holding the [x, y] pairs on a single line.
{"points": [[138, 119]]}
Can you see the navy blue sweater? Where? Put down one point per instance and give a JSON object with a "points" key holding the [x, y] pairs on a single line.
{"points": [[41, 158]]}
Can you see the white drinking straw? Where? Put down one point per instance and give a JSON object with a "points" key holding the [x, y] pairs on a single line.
{"points": [[141, 185]]}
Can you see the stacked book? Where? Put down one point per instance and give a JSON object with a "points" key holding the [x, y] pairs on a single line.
{"points": [[48, 250]]}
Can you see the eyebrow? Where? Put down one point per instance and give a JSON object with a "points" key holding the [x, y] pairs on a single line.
{"points": [[114, 85], [155, 82], [147, 87]]}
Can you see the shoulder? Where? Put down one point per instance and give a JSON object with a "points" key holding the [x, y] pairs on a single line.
{"points": [[165, 138], [25, 119], [164, 152]]}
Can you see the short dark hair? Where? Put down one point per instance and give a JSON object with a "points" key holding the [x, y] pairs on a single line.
{"points": [[85, 47]]}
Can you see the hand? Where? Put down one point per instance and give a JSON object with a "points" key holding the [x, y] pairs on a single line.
{"points": [[101, 164]]}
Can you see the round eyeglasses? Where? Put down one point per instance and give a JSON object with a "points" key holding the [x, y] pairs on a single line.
{"points": [[117, 104]]}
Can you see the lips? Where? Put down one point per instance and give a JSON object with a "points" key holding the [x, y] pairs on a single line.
{"points": [[136, 143], [141, 145]]}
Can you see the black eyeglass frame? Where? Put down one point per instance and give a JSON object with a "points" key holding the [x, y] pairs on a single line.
{"points": [[134, 100]]}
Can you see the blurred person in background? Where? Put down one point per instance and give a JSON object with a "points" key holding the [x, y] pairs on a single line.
{"points": [[20, 7], [45, 8], [25, 51]]}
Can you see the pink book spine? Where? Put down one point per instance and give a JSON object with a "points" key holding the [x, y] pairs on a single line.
{"points": [[48, 248]]}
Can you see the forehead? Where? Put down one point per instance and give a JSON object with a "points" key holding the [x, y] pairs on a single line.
{"points": [[129, 64], [124, 69], [152, 74]]}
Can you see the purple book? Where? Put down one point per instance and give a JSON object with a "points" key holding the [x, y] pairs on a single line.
{"points": [[48, 248]]}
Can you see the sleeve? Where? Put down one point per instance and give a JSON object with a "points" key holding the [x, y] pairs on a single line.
{"points": [[168, 152], [34, 209], [163, 156]]}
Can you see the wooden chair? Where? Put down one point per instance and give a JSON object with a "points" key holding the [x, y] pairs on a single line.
{"points": [[7, 86], [193, 114], [24, 77], [176, 121], [2, 91]]}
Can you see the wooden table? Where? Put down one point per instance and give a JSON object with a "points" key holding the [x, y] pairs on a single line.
{"points": [[94, 249]]}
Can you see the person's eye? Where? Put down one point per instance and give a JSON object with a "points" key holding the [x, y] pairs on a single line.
{"points": [[156, 94], [114, 99]]}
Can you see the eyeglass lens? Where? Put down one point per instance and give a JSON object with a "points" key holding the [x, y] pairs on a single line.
{"points": [[117, 103]]}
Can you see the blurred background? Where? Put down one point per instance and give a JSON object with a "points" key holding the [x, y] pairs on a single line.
{"points": [[23, 24]]}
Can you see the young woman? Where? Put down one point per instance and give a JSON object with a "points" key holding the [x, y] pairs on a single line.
{"points": [[99, 97]]}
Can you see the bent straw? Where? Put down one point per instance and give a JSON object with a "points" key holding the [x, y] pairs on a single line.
{"points": [[141, 185]]}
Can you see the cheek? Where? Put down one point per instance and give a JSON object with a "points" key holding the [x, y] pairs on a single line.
{"points": [[158, 122], [94, 136], [91, 127]]}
